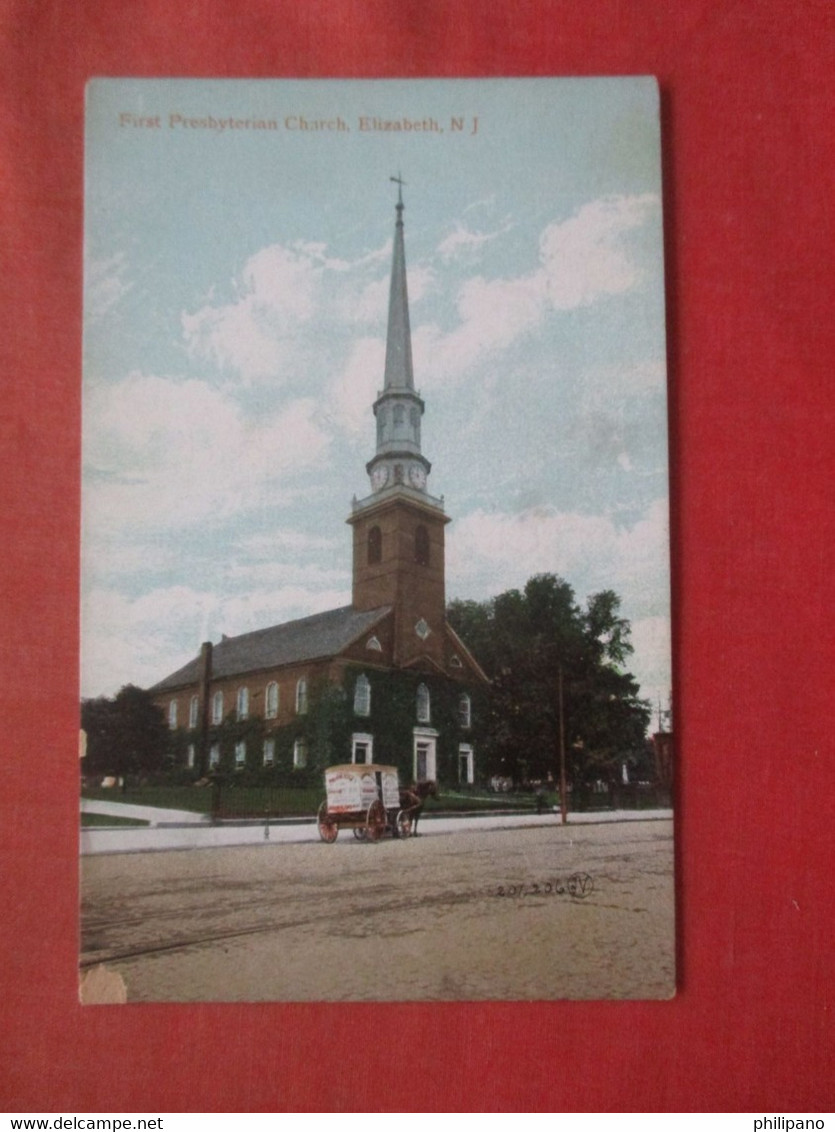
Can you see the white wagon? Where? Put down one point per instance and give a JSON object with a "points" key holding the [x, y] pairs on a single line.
{"points": [[366, 798]]}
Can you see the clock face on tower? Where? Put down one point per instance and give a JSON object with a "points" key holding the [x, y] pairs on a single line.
{"points": [[417, 476], [379, 477]]}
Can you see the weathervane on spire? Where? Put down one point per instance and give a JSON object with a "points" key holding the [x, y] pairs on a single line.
{"points": [[398, 180]]}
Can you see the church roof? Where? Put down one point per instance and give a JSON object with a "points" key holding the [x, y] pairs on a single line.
{"points": [[309, 638]]}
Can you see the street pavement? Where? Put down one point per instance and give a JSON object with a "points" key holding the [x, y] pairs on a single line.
{"points": [[181, 829]]}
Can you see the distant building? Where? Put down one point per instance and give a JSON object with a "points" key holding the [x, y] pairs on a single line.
{"points": [[384, 679]]}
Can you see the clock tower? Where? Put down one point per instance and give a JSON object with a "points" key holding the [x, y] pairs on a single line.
{"points": [[399, 527]]}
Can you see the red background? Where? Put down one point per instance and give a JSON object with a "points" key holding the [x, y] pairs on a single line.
{"points": [[747, 124]]}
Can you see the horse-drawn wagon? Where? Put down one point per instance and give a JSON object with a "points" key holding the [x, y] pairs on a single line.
{"points": [[366, 798]]}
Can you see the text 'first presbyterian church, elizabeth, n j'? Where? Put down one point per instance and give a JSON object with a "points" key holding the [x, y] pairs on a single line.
{"points": [[384, 679]]}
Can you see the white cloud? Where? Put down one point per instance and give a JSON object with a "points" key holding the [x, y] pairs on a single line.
{"points": [[462, 239], [582, 259], [104, 285], [587, 256], [279, 291], [351, 394], [162, 454]]}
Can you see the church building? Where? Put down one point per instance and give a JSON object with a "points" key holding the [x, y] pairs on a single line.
{"points": [[384, 679]]}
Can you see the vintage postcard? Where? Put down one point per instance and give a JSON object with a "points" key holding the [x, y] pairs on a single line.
{"points": [[376, 689]]}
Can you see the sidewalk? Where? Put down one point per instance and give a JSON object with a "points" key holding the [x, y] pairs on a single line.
{"points": [[154, 815], [197, 832]]}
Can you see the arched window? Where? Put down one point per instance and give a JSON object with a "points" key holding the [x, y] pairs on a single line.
{"points": [[375, 546], [399, 414], [464, 710], [301, 696], [269, 752], [271, 700], [421, 546], [362, 696], [214, 755], [217, 707], [193, 709], [240, 755], [172, 715], [243, 703], [423, 705]]}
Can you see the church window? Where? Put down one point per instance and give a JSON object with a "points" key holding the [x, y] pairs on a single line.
{"points": [[214, 755], [193, 710], [464, 710], [190, 753], [300, 753], [269, 752], [362, 696], [414, 417], [455, 661], [301, 696], [240, 755], [271, 700], [399, 413], [217, 707], [375, 546], [423, 704], [243, 703], [373, 643], [422, 546], [172, 714]]}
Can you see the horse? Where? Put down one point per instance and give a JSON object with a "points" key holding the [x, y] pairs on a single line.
{"points": [[413, 798]]}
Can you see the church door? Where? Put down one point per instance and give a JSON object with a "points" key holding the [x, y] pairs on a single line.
{"points": [[425, 755]]}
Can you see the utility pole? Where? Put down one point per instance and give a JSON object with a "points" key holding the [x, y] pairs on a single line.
{"points": [[563, 793]]}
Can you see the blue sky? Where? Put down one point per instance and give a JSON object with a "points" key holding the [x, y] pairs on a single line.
{"points": [[236, 283]]}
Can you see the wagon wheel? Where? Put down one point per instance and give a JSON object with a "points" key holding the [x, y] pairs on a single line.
{"points": [[403, 823], [375, 821], [328, 828]]}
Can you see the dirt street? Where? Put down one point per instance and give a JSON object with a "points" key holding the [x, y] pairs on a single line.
{"points": [[541, 913]]}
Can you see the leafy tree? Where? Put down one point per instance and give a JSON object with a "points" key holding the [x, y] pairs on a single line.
{"points": [[125, 735], [529, 642]]}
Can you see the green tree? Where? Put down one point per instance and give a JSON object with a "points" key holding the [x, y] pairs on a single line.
{"points": [[125, 735], [527, 641]]}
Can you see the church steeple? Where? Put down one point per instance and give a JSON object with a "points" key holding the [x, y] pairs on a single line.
{"points": [[398, 460], [399, 373], [399, 527]]}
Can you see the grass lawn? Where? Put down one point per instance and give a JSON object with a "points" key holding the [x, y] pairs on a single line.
{"points": [[291, 801], [105, 819]]}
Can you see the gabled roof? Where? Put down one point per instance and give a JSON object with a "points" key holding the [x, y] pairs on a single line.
{"points": [[309, 638]]}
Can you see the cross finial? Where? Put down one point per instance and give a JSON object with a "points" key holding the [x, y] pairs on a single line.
{"points": [[398, 180]]}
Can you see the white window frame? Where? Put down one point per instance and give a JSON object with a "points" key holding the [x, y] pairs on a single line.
{"points": [[240, 754], [217, 707], [465, 751], [301, 696], [362, 695], [214, 755], [271, 700], [242, 702], [172, 715], [193, 711], [425, 737], [465, 711], [361, 739], [300, 753], [423, 704], [269, 751]]}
